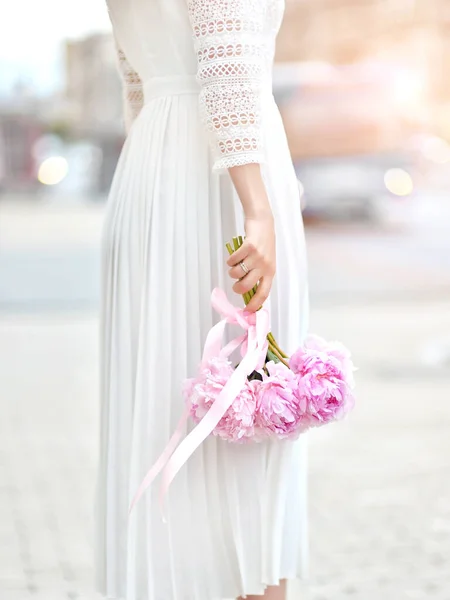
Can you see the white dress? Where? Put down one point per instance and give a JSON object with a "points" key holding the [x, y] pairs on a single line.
{"points": [[197, 77]]}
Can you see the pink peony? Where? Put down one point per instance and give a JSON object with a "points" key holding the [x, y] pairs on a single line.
{"points": [[325, 379], [315, 390], [334, 349], [201, 392], [280, 411], [238, 422]]}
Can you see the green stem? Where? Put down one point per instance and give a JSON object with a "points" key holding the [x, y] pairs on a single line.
{"points": [[277, 354], [274, 343]]}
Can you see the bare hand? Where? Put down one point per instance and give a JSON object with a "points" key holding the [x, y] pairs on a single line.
{"points": [[259, 257]]}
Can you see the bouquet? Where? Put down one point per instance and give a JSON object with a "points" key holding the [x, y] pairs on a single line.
{"points": [[283, 396], [267, 395]]}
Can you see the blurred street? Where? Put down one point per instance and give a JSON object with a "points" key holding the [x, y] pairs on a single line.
{"points": [[380, 482], [49, 255]]}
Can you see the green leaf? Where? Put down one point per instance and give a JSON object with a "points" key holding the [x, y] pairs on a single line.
{"points": [[271, 356]]}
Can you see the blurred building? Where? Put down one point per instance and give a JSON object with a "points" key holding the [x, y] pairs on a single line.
{"points": [[18, 134], [342, 31], [93, 91], [92, 85], [21, 124], [412, 32]]}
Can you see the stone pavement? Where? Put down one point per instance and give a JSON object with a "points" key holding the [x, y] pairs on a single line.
{"points": [[379, 482]]}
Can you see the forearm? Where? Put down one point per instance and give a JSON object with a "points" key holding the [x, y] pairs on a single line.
{"points": [[249, 184]]}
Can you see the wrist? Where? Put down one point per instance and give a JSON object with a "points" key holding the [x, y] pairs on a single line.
{"points": [[258, 213], [256, 205]]}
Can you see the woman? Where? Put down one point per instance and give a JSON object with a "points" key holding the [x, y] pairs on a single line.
{"points": [[236, 527]]}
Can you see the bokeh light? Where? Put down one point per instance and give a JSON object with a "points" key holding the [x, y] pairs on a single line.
{"points": [[399, 182], [53, 170]]}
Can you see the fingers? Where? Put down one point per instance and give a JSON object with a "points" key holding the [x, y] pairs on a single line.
{"points": [[237, 272], [248, 282], [240, 254], [260, 272], [261, 295]]}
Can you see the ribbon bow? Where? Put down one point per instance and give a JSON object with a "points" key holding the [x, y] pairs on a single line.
{"points": [[254, 350]]}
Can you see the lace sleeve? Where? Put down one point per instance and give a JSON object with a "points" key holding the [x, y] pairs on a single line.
{"points": [[133, 95], [229, 42]]}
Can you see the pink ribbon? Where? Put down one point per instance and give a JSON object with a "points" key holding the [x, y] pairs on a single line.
{"points": [[254, 341]]}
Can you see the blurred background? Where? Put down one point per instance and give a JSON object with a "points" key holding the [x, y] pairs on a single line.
{"points": [[364, 90]]}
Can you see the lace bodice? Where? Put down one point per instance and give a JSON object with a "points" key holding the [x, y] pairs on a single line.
{"points": [[234, 44]]}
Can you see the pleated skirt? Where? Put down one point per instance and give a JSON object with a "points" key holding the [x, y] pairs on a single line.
{"points": [[236, 514]]}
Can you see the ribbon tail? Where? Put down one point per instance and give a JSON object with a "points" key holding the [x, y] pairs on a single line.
{"points": [[213, 341], [262, 329], [161, 461], [232, 346], [195, 438]]}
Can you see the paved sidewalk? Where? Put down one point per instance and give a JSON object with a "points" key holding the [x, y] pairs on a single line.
{"points": [[380, 482]]}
